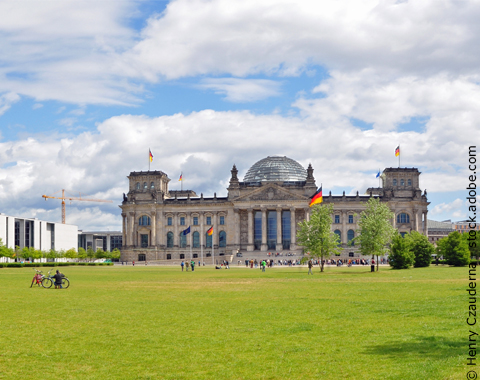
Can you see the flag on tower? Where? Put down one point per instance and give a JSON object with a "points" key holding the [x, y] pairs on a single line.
{"points": [[181, 177], [397, 151], [210, 231], [378, 174], [317, 197], [150, 154]]}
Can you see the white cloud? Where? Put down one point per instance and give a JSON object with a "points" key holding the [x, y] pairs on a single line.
{"points": [[453, 208], [204, 146], [242, 90], [6, 101]]}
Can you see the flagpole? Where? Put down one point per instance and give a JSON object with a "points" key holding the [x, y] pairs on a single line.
{"points": [[399, 154], [379, 178], [213, 253], [149, 159]]}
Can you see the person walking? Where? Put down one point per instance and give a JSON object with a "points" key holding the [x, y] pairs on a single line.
{"points": [[310, 266], [182, 264]]}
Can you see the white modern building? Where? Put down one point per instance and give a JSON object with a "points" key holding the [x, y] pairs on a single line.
{"points": [[31, 232], [104, 240]]}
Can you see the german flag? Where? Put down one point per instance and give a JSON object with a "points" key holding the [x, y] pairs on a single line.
{"points": [[150, 155], [397, 151], [317, 197], [210, 231]]}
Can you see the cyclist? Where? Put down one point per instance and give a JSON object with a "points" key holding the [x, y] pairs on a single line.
{"points": [[58, 279]]}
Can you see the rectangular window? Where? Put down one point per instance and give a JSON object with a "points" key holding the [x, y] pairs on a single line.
{"points": [[209, 220], [222, 220], [257, 229], [195, 220], [350, 219], [337, 219], [144, 241], [409, 182], [169, 221], [182, 220]]}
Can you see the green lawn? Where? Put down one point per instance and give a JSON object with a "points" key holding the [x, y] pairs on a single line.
{"points": [[159, 323]]}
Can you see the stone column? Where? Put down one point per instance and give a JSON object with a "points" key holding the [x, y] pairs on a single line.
{"points": [[250, 246], [215, 229], [279, 245], [153, 229], [264, 246], [293, 229], [132, 229], [176, 238], [236, 220], [160, 228], [307, 214], [124, 229], [201, 216], [344, 226], [425, 224]]}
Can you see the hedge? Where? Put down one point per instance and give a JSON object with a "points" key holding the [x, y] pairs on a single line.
{"points": [[41, 265]]}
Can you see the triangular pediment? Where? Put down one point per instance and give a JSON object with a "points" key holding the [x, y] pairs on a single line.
{"points": [[271, 192]]}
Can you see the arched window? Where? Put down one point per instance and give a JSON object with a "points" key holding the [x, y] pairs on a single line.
{"points": [[170, 240], [152, 185], [137, 186], [144, 220], [196, 239], [403, 218], [350, 236], [208, 240], [183, 240], [339, 233], [222, 239], [402, 182]]}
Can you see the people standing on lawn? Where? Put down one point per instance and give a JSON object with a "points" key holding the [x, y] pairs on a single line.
{"points": [[193, 265], [187, 265], [182, 264], [262, 264], [310, 266]]}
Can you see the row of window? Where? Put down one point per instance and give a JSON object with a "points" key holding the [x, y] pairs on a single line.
{"points": [[222, 240], [402, 182], [350, 236], [145, 220], [145, 186], [337, 219], [401, 218]]}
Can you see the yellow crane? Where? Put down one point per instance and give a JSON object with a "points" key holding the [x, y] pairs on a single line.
{"points": [[79, 198]]}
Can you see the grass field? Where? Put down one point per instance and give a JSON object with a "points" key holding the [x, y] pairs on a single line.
{"points": [[159, 323]]}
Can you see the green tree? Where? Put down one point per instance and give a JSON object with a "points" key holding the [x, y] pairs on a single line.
{"points": [[71, 253], [316, 235], [90, 253], [376, 231], [82, 254], [116, 254], [454, 249], [5, 251], [100, 254], [421, 248], [401, 256]]}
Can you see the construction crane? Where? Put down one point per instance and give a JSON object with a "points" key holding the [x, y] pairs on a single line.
{"points": [[63, 197]]}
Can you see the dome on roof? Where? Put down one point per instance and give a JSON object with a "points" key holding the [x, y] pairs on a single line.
{"points": [[276, 168]]}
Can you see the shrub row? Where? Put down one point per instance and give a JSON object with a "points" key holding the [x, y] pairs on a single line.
{"points": [[40, 265]]}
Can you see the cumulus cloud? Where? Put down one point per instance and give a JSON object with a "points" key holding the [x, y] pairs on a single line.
{"points": [[204, 146], [242, 90]]}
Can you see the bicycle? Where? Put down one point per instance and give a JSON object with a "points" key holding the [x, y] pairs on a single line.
{"points": [[37, 278], [48, 281]]}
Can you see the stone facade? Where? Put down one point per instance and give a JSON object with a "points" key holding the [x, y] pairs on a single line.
{"points": [[256, 216]]}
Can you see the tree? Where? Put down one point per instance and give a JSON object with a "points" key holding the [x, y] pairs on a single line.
{"points": [[71, 253], [82, 254], [316, 235], [454, 249], [90, 253], [5, 251], [100, 254], [421, 248], [401, 256], [376, 231], [115, 254]]}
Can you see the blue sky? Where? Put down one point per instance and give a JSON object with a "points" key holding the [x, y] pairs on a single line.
{"points": [[86, 88]]}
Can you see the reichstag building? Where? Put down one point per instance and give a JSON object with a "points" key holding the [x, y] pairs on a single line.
{"points": [[259, 215]]}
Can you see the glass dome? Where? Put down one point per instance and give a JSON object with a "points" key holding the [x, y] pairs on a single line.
{"points": [[276, 168]]}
